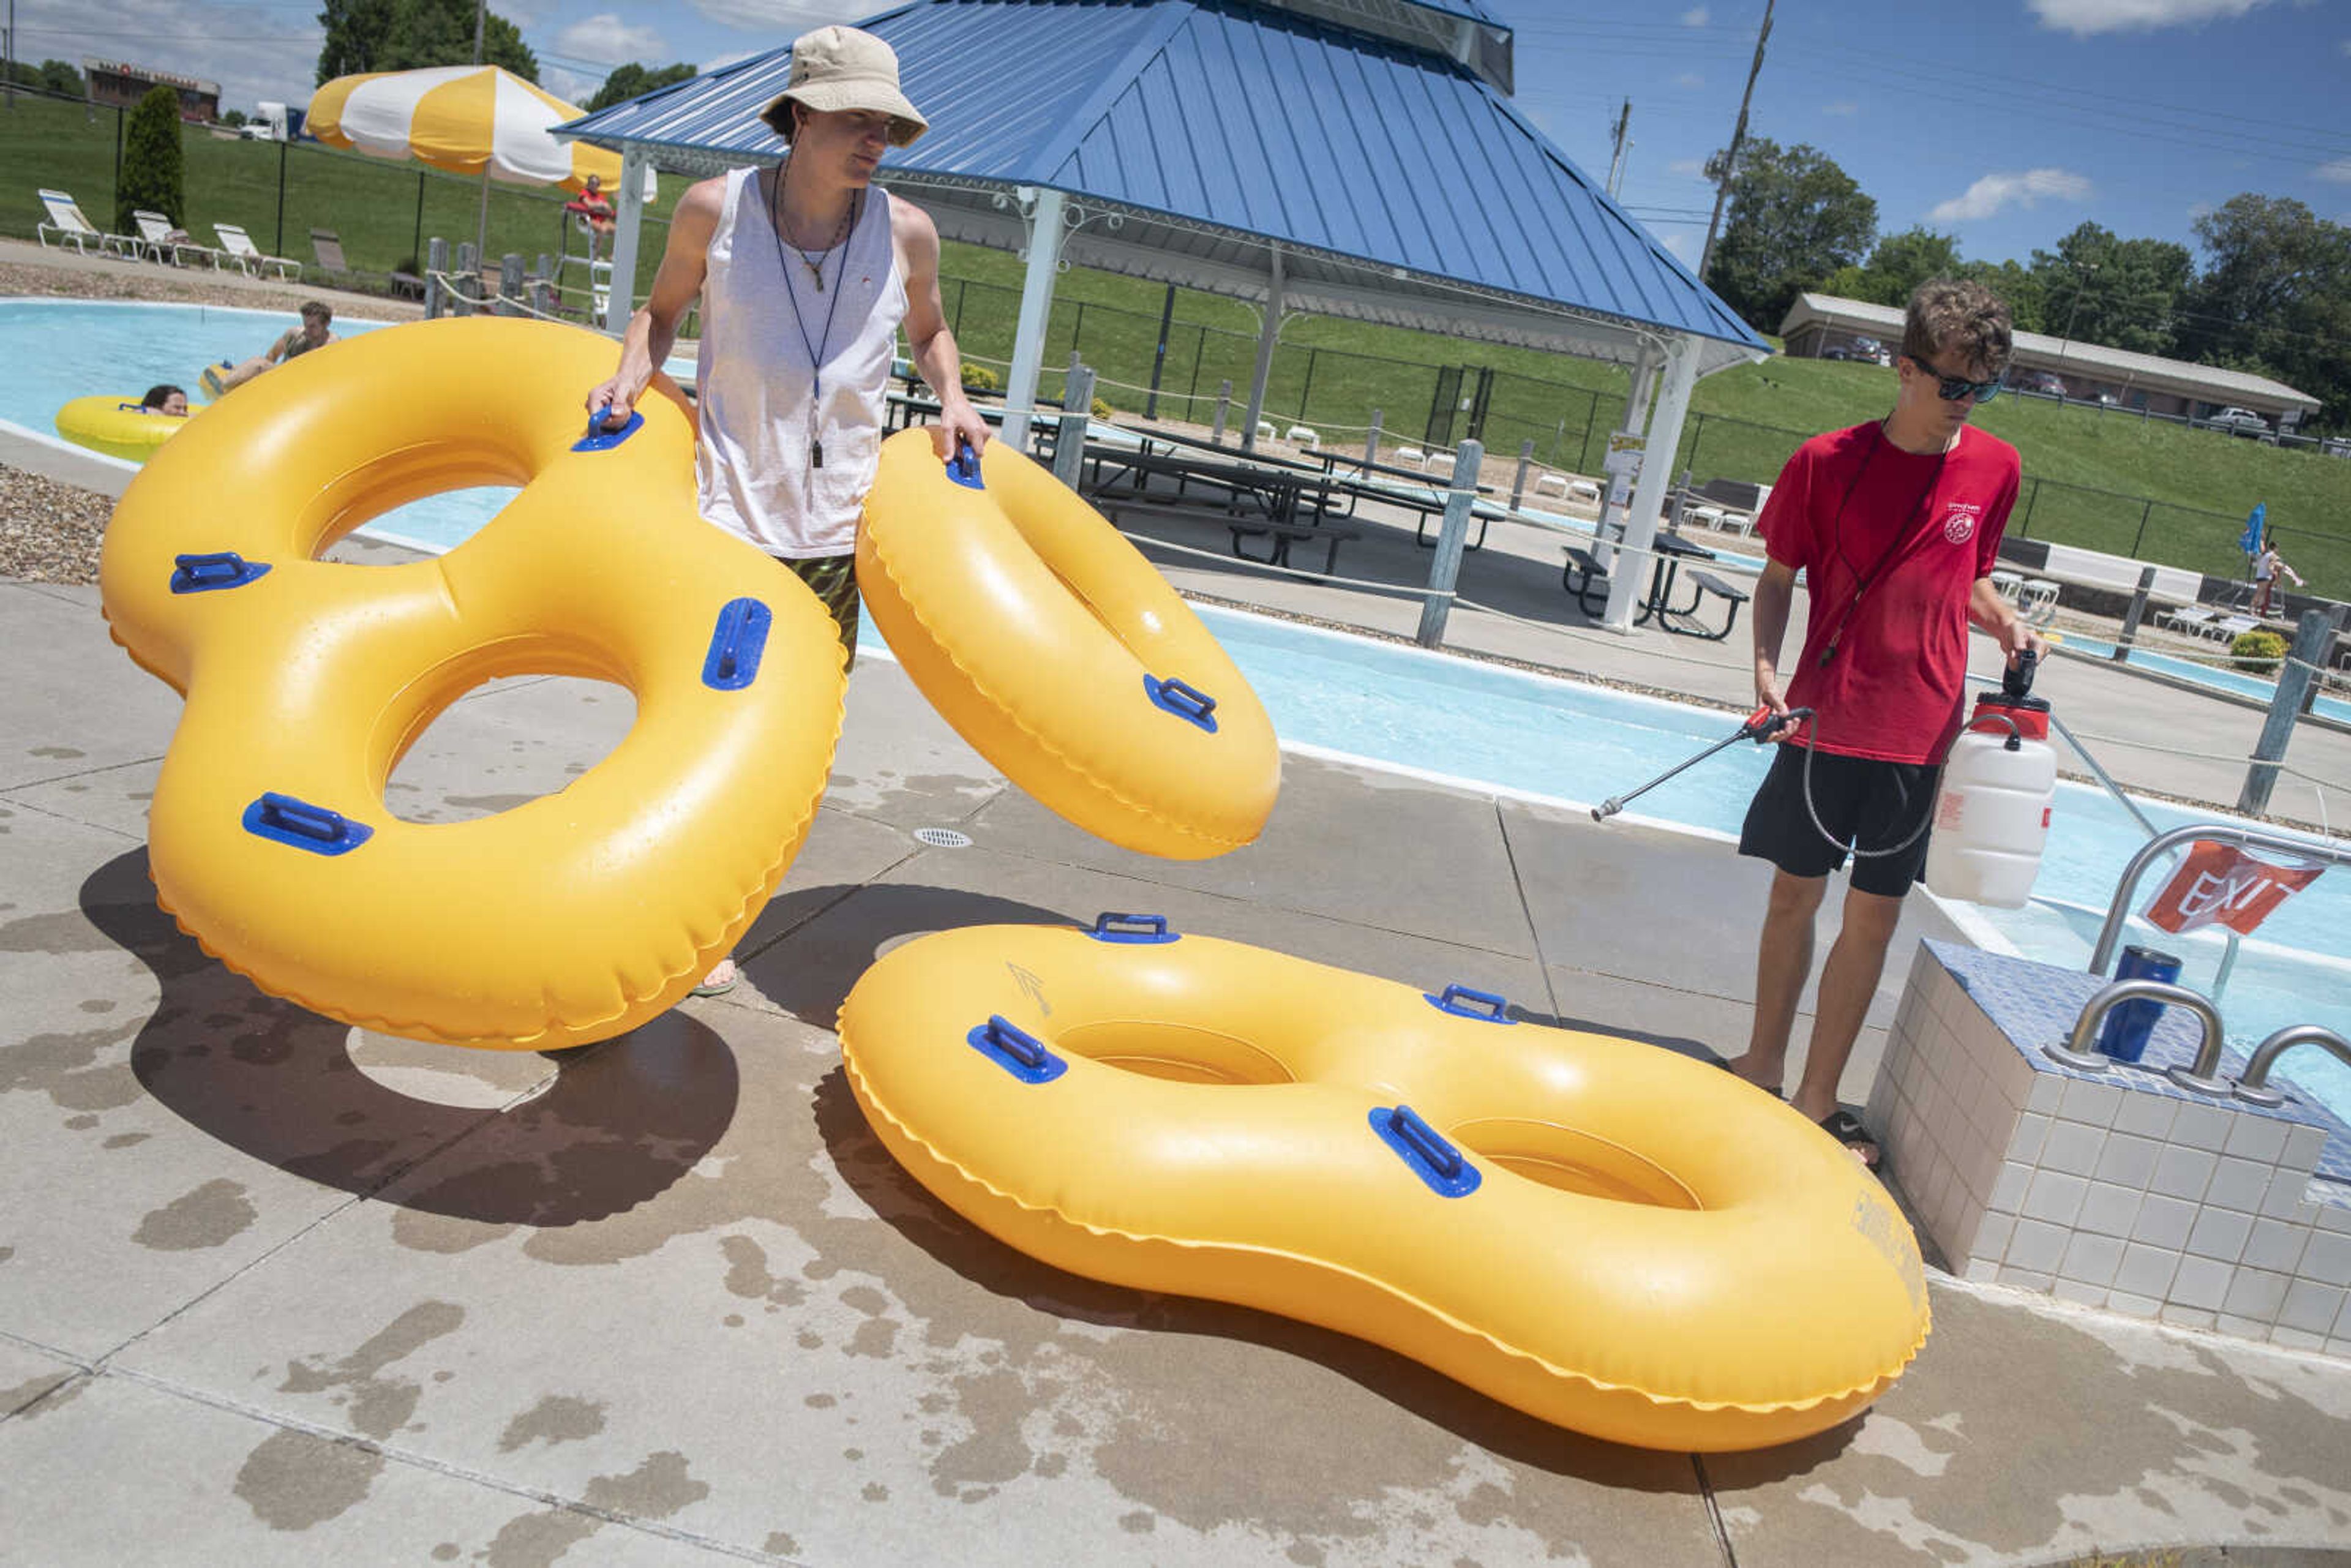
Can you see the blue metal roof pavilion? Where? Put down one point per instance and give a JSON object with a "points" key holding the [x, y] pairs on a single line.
{"points": [[1351, 158]]}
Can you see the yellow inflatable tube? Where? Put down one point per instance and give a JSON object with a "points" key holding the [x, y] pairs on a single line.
{"points": [[564, 920], [1603, 1234], [1063, 655], [117, 426]]}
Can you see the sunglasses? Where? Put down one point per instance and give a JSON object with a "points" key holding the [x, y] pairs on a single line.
{"points": [[1952, 389]]}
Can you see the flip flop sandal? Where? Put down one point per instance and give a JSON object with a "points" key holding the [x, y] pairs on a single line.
{"points": [[720, 989], [1846, 1129]]}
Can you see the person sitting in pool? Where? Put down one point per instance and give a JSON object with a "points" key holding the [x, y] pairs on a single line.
{"points": [[224, 378], [165, 398]]}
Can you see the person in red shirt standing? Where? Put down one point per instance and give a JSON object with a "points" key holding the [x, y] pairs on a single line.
{"points": [[1896, 525]]}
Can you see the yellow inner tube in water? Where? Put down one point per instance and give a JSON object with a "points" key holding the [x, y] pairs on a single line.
{"points": [[1604, 1234], [117, 426]]}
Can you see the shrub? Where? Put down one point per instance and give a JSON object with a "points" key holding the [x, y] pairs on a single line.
{"points": [[1102, 409], [153, 178], [980, 378], [2259, 652]]}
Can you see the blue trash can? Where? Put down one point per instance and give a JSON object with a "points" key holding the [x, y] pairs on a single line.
{"points": [[2123, 1035]]}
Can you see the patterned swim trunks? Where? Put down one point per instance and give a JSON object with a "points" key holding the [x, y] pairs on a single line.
{"points": [[834, 579]]}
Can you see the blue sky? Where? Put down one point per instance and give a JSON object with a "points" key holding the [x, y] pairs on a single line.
{"points": [[2006, 122]]}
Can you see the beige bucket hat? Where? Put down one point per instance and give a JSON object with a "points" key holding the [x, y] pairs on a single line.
{"points": [[835, 68]]}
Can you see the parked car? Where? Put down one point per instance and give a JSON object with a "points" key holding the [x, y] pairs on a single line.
{"points": [[2239, 422], [2041, 383]]}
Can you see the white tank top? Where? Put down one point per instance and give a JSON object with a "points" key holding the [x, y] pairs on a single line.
{"points": [[758, 364]]}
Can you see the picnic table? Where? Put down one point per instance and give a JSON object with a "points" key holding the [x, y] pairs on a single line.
{"points": [[1583, 577]]}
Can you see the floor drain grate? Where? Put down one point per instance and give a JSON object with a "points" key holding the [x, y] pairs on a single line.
{"points": [[943, 838]]}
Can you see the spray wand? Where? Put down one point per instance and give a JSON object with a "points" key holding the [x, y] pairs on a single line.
{"points": [[1760, 726]]}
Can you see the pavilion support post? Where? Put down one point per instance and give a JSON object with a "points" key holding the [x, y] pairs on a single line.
{"points": [[1452, 535], [1045, 231], [1266, 338], [1629, 578], [1609, 525], [621, 292], [1371, 440]]}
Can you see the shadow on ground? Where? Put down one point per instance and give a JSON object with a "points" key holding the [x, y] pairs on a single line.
{"points": [[615, 1125]]}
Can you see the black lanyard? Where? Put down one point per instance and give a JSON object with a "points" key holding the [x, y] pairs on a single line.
{"points": [[1904, 540], [818, 349]]}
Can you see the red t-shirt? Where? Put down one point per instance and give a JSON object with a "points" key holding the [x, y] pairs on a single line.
{"points": [[1848, 501]]}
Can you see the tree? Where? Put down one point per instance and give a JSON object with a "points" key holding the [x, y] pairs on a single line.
{"points": [[1899, 266], [2018, 288], [634, 81], [151, 163], [59, 76], [403, 35], [2275, 298], [358, 34], [233, 116], [1795, 218], [2122, 293]]}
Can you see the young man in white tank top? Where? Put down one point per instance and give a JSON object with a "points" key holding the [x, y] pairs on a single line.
{"points": [[806, 274]]}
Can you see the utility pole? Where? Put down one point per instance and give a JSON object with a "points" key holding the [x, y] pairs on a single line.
{"points": [[1738, 136], [1617, 163]]}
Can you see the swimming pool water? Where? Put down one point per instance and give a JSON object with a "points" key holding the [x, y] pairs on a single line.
{"points": [[2215, 677], [1392, 705]]}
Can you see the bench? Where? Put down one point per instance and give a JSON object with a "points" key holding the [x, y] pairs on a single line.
{"points": [[1280, 537], [1583, 576], [1686, 622]]}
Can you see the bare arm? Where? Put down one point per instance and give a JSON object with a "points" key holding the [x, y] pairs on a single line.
{"points": [[1775, 591], [928, 342], [652, 331], [1988, 609]]}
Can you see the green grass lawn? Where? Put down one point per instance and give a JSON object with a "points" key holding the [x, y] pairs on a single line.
{"points": [[2106, 480], [371, 204]]}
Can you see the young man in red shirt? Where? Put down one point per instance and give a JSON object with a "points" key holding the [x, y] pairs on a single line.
{"points": [[1896, 525]]}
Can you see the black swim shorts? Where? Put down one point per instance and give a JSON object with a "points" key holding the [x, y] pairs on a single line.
{"points": [[1866, 803]]}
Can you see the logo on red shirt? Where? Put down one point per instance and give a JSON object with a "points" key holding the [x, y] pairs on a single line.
{"points": [[1960, 522]]}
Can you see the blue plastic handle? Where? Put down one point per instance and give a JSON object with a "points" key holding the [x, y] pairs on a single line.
{"points": [[1185, 702], [735, 644], [964, 467], [599, 439], [1424, 1148], [1145, 928], [220, 569], [1015, 1051], [1463, 1002], [285, 820]]}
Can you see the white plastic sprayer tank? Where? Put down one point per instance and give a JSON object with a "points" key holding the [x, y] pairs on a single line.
{"points": [[1993, 815]]}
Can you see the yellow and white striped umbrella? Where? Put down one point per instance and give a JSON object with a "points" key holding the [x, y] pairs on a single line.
{"points": [[468, 120]]}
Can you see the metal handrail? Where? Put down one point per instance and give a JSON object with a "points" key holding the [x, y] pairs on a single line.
{"points": [[2127, 889], [2254, 1085], [2077, 1051]]}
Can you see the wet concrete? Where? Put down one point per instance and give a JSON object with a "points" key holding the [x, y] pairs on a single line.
{"points": [[274, 1291]]}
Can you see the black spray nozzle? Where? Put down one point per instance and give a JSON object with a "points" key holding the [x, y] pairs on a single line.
{"points": [[2016, 680]]}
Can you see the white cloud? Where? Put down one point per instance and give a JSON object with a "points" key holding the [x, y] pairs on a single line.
{"points": [[2199, 211], [1695, 167], [1697, 17], [2084, 17], [1994, 191], [1689, 79], [1843, 106], [2337, 173], [789, 18], [608, 40], [573, 87], [720, 62], [253, 52]]}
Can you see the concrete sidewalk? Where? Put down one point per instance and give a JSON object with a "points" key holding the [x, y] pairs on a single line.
{"points": [[275, 1290]]}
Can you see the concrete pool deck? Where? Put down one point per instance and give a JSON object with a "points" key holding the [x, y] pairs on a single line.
{"points": [[274, 1290]]}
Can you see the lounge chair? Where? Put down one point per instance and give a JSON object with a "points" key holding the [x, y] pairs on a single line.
{"points": [[238, 247], [2227, 627], [68, 224], [159, 238], [2193, 619]]}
